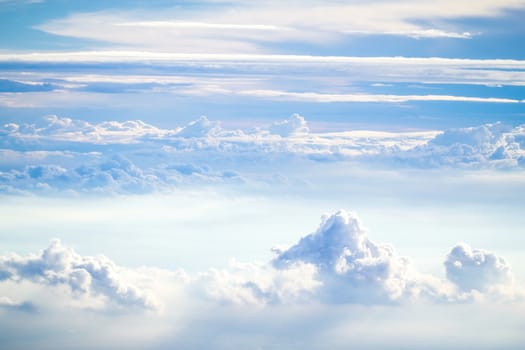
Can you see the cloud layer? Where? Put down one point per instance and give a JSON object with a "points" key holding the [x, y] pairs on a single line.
{"points": [[242, 27], [336, 264], [63, 154]]}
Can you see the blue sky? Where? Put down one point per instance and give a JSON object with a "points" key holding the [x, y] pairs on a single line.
{"points": [[274, 175]]}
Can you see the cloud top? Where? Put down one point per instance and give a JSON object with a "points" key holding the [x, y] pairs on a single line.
{"points": [[353, 268], [296, 124]]}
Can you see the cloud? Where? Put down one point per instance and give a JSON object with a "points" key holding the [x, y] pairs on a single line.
{"points": [[242, 27], [339, 264], [201, 127], [67, 129], [258, 284], [64, 154], [7, 303], [294, 125], [7, 85], [416, 33], [84, 275], [335, 265], [202, 25], [327, 98], [223, 74], [489, 145], [129, 56], [353, 268], [477, 269], [114, 175]]}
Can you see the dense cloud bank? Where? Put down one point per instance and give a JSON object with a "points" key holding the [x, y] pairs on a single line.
{"points": [[336, 264], [62, 154]]}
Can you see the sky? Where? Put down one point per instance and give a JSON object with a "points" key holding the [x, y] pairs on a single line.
{"points": [[272, 175]]}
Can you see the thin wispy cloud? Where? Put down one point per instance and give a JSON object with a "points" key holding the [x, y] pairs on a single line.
{"points": [[326, 98], [235, 26]]}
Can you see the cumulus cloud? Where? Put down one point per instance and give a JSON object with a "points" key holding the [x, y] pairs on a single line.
{"points": [[134, 157], [339, 264], [489, 145], [477, 269], [84, 275], [336, 264], [259, 284], [114, 175], [294, 125], [201, 127], [353, 268], [53, 128]]}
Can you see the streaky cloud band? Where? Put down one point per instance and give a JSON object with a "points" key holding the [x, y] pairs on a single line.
{"points": [[138, 56]]}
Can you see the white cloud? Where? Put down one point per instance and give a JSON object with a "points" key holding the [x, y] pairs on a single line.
{"points": [[333, 283], [339, 264], [294, 125], [489, 145], [242, 27], [141, 56], [60, 265], [8, 303], [67, 129], [116, 174], [201, 127], [166, 24], [326, 98], [477, 269], [63, 154], [258, 284], [355, 269], [417, 33], [196, 76]]}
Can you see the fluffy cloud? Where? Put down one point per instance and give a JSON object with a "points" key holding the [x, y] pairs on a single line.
{"points": [[134, 157], [201, 127], [85, 275], [489, 145], [259, 284], [114, 175], [339, 264], [53, 128], [477, 269], [294, 125], [336, 264], [353, 268]]}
